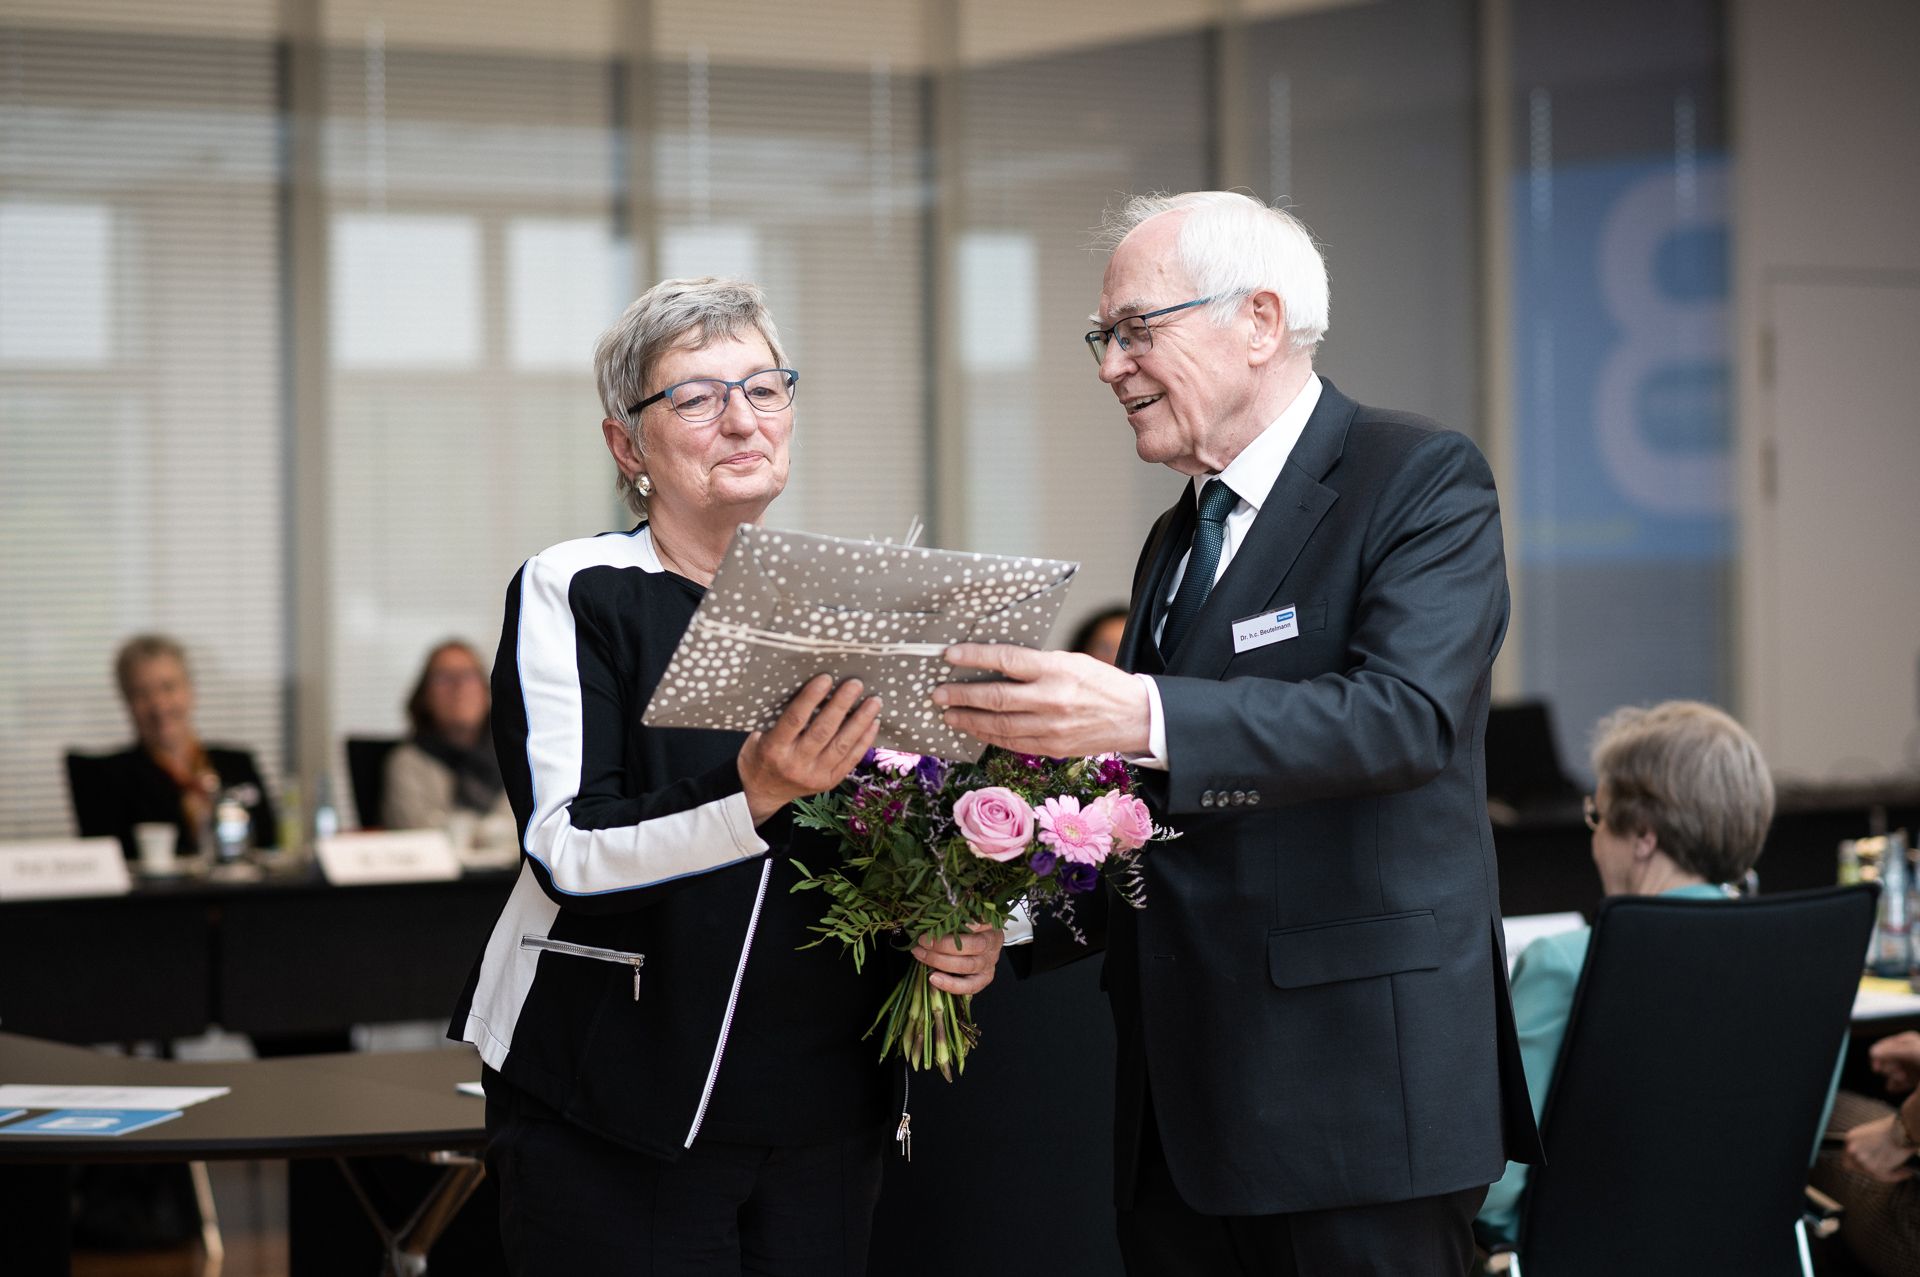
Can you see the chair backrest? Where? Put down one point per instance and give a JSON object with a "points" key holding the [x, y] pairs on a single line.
{"points": [[1523, 759], [367, 770], [1696, 1065], [89, 786]]}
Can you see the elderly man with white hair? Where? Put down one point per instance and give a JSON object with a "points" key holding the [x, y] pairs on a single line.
{"points": [[1317, 1071]]}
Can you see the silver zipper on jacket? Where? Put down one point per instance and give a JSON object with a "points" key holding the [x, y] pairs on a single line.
{"points": [[733, 998], [550, 945]]}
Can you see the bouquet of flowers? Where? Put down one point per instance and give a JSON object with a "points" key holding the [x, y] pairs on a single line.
{"points": [[933, 846]]}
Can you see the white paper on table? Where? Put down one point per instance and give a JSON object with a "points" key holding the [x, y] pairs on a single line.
{"points": [[1528, 927], [31, 1096], [786, 606]]}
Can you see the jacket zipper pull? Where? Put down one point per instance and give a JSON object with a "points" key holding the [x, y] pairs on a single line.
{"points": [[637, 964]]}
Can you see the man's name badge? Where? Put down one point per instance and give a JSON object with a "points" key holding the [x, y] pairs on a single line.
{"points": [[1267, 627]]}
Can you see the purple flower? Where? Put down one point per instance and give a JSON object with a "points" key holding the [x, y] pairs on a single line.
{"points": [[1033, 761], [1078, 878], [858, 826], [931, 772], [891, 812], [1113, 770], [1042, 862]]}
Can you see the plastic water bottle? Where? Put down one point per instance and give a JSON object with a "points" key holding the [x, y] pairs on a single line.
{"points": [[1891, 955], [232, 826], [326, 817]]}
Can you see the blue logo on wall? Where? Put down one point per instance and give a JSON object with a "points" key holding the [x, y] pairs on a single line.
{"points": [[1622, 391]]}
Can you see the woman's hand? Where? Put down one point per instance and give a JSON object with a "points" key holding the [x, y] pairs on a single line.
{"points": [[817, 741], [962, 964], [1878, 1149], [1897, 1059]]}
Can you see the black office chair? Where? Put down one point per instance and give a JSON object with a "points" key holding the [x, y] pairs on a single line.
{"points": [[89, 786], [1687, 1100], [1523, 758], [367, 770]]}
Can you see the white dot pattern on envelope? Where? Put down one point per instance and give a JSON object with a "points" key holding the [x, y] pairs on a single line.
{"points": [[798, 588]]}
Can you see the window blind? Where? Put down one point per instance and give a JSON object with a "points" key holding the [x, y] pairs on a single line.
{"points": [[809, 177], [473, 259], [1048, 143], [140, 430]]}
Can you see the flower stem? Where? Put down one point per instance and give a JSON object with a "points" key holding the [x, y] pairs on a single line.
{"points": [[929, 1028]]}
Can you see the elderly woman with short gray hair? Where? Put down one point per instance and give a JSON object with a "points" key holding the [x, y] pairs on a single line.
{"points": [[1680, 807], [674, 1084]]}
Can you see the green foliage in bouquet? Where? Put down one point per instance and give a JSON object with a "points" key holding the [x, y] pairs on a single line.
{"points": [[932, 847]]}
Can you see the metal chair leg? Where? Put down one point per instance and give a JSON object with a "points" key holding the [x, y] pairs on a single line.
{"points": [[211, 1244], [406, 1247]]}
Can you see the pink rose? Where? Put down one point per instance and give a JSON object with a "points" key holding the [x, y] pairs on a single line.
{"points": [[1132, 826], [995, 821]]}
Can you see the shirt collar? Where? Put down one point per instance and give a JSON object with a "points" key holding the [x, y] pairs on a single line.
{"points": [[1253, 473], [1699, 891]]}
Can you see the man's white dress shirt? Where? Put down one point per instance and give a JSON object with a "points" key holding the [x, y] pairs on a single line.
{"points": [[1251, 475]]}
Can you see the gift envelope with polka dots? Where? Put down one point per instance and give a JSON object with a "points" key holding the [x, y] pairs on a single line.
{"points": [[786, 606]]}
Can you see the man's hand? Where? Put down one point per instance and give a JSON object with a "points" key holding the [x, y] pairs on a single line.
{"points": [[1878, 1149], [963, 963], [1897, 1059], [816, 742], [1060, 704]]}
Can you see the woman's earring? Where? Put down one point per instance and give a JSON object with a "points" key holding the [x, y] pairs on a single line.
{"points": [[643, 485]]}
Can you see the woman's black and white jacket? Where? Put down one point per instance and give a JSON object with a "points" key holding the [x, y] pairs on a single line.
{"points": [[611, 979]]}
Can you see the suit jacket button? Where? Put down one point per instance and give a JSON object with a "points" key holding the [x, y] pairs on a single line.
{"points": [[1206, 798], [1253, 798]]}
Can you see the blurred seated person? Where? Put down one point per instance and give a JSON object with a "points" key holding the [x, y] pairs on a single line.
{"points": [[170, 774], [1099, 635], [1680, 807], [1873, 1177], [446, 769]]}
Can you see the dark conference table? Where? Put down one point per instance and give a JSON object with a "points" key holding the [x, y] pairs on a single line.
{"points": [[336, 1106], [289, 954]]}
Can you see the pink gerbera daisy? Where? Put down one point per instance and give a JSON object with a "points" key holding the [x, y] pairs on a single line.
{"points": [[1083, 835], [894, 761]]}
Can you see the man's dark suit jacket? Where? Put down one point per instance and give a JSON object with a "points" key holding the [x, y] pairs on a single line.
{"points": [[1316, 986]]}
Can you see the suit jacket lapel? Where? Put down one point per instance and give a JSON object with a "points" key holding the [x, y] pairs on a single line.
{"points": [[1171, 534], [1292, 510]]}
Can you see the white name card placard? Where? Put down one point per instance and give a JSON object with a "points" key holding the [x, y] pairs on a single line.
{"points": [[63, 867], [401, 855]]}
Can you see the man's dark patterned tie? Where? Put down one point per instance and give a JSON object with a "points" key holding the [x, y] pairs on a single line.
{"points": [[1216, 500]]}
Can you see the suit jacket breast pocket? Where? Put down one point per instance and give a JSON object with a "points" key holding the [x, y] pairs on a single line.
{"points": [[1281, 657]]}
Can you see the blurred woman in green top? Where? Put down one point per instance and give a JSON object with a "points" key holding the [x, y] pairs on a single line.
{"points": [[1680, 807]]}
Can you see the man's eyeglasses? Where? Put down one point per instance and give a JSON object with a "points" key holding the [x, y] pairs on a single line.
{"points": [[705, 398], [1591, 813], [1133, 333]]}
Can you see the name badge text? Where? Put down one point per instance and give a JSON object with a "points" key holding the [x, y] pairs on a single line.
{"points": [[1265, 628]]}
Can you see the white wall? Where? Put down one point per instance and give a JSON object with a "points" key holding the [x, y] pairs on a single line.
{"points": [[1826, 130]]}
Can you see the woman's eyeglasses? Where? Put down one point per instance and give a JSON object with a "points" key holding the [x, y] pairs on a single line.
{"points": [[705, 398]]}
